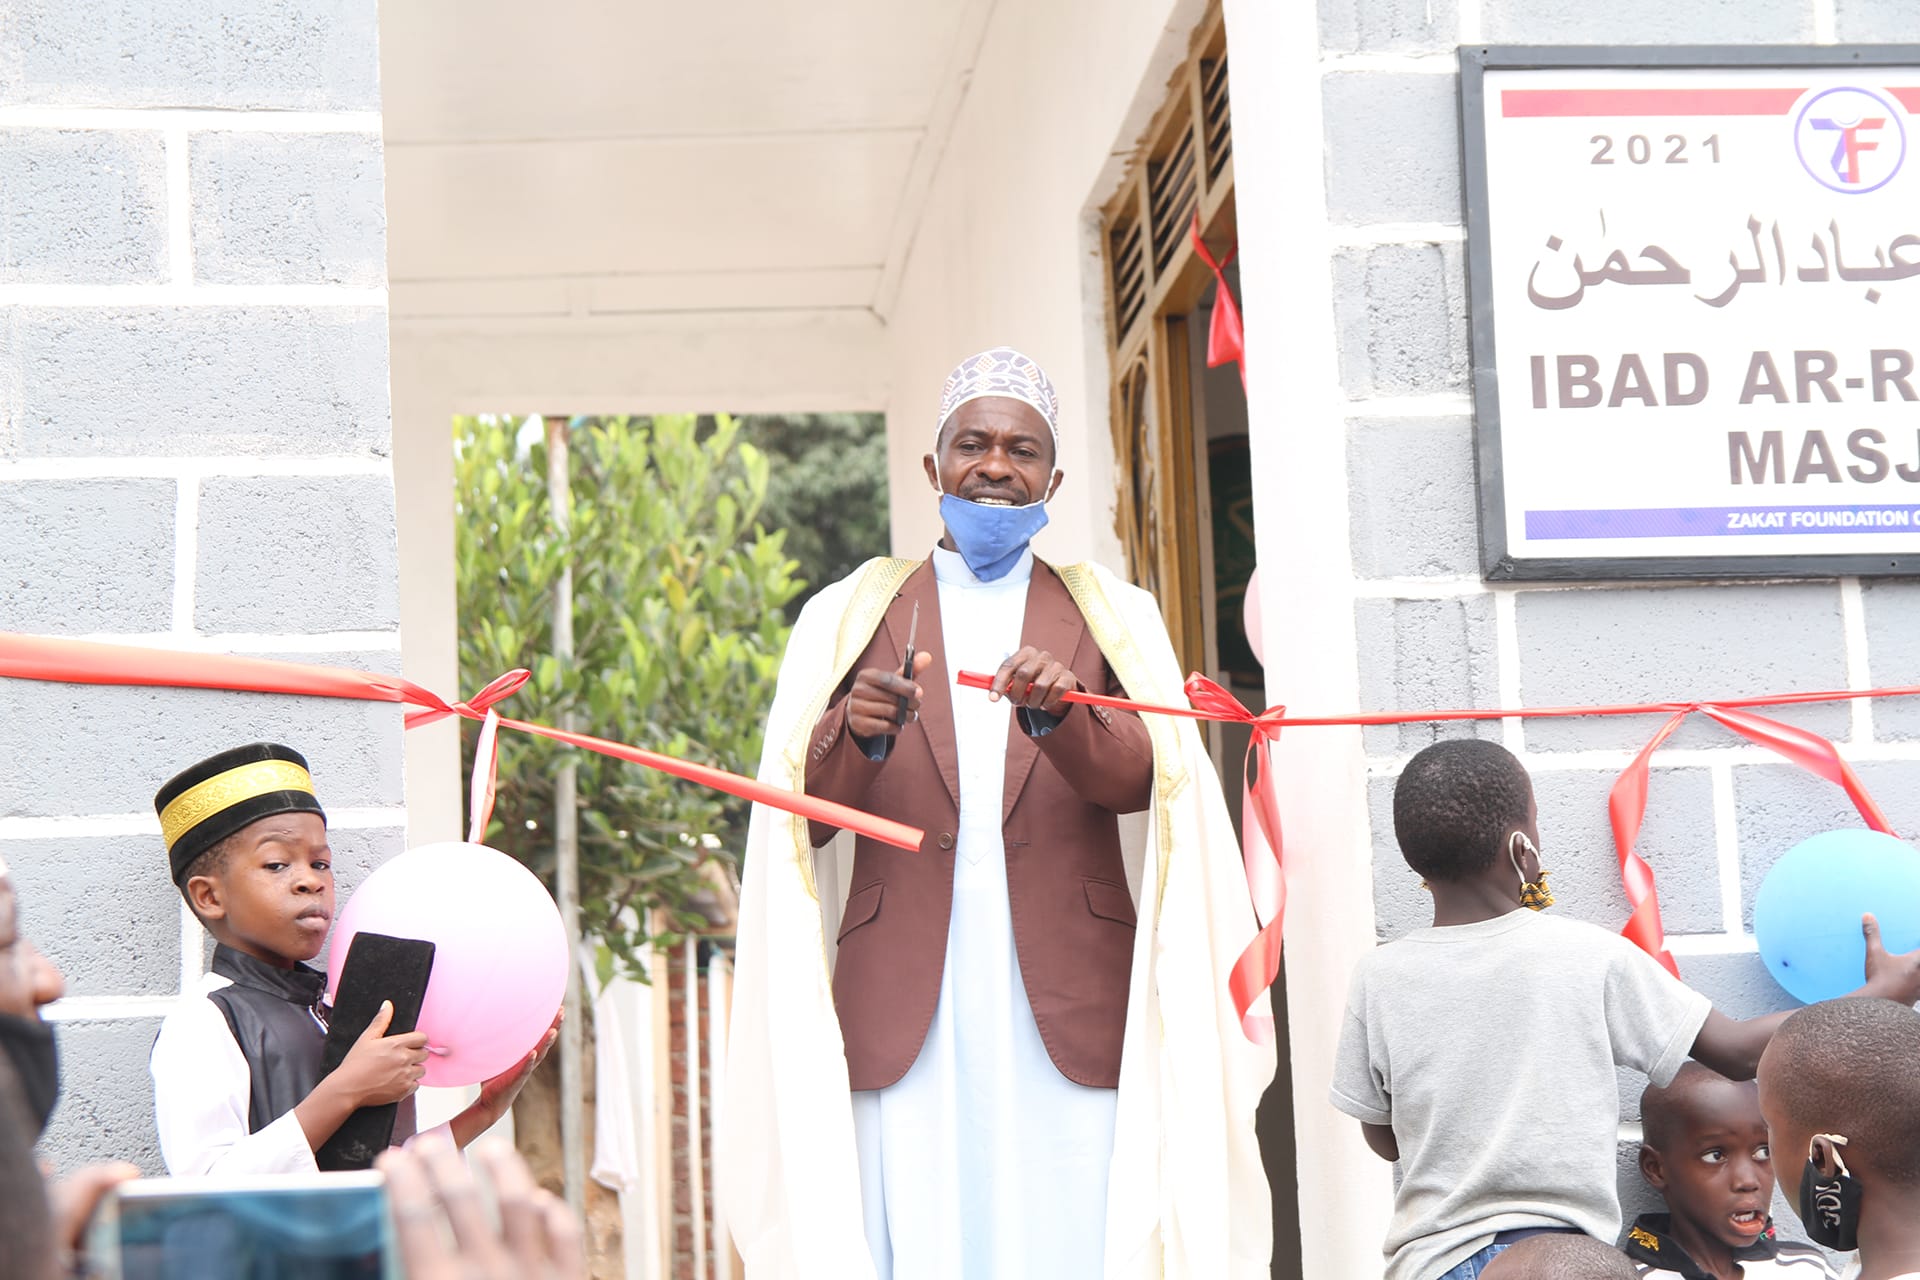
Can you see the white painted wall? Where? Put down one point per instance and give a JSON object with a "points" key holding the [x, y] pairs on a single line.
{"points": [[1006, 250], [1295, 407]]}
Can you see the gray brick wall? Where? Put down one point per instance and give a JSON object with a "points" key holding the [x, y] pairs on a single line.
{"points": [[1432, 634], [194, 452]]}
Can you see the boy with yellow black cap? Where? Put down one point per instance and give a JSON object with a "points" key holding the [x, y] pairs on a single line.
{"points": [[237, 1086]]}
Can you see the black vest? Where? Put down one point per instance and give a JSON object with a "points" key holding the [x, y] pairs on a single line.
{"points": [[277, 1017]]}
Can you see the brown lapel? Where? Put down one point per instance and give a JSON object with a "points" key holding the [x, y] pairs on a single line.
{"points": [[1053, 623], [936, 700]]}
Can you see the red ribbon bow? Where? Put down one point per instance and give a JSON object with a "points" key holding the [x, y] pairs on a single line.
{"points": [[50, 658], [1226, 334]]}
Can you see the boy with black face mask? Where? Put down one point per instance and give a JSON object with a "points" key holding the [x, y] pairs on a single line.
{"points": [[1705, 1151], [1840, 1087]]}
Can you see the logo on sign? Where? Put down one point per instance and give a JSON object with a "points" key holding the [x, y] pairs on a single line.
{"points": [[1850, 140]]}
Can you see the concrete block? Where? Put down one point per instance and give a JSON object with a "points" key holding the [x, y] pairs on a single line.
{"points": [[1401, 314], [1577, 847], [1738, 984], [86, 556], [192, 381], [82, 207], [313, 55], [1893, 654], [1393, 147], [288, 209], [1677, 840], [1411, 491], [106, 1097], [1388, 26], [1400, 905], [116, 745], [104, 909], [1630, 645], [1780, 805], [1426, 655], [1882, 21], [1648, 22], [297, 554]]}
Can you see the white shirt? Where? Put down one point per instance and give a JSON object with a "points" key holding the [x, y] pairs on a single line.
{"points": [[201, 1091]]}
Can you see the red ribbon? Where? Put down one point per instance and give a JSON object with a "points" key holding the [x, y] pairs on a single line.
{"points": [[1262, 850], [1226, 334], [49, 658]]}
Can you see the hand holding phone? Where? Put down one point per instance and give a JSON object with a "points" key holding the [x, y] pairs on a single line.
{"points": [[381, 1068]]}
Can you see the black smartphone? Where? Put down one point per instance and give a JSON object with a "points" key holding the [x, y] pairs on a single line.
{"points": [[377, 968]]}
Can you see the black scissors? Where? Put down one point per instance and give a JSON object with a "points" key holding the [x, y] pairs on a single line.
{"points": [[906, 667]]}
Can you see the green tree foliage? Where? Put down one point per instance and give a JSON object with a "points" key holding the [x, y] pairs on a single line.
{"points": [[678, 599], [828, 489]]}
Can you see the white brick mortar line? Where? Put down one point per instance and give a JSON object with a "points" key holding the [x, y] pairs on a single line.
{"points": [[238, 642], [108, 1008], [35, 117], [1423, 63], [186, 553], [1468, 12], [1371, 235], [1726, 845], [1712, 944], [1616, 759], [1853, 625], [1506, 648], [1435, 588], [1444, 404], [82, 468], [184, 293], [179, 211], [90, 826]]}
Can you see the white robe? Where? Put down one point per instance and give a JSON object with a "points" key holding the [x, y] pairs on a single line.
{"points": [[983, 1161], [1187, 1198]]}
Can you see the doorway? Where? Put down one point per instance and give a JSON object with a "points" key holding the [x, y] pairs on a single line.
{"points": [[1184, 508]]}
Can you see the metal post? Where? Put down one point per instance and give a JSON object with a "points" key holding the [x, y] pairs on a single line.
{"points": [[566, 844]]}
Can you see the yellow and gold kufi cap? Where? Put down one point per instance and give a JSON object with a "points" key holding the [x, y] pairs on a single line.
{"points": [[202, 806]]}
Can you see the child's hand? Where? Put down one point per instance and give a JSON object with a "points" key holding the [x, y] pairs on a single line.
{"points": [[497, 1094], [381, 1068], [1889, 976]]}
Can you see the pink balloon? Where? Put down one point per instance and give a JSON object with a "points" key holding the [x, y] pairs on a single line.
{"points": [[1250, 618], [500, 952]]}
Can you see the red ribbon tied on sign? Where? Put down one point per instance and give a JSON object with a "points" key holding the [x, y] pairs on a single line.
{"points": [[1226, 333], [51, 658], [1627, 806]]}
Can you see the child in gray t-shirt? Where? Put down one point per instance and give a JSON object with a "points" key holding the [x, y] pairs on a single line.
{"points": [[1480, 1053]]}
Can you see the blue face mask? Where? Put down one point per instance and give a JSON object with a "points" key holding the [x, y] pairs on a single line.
{"points": [[989, 538]]}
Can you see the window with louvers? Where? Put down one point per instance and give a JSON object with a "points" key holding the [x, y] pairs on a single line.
{"points": [[1183, 166]]}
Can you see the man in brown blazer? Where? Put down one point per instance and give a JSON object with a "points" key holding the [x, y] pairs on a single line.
{"points": [[982, 980]]}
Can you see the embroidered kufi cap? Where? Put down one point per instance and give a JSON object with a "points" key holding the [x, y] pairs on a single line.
{"points": [[204, 805], [1001, 371]]}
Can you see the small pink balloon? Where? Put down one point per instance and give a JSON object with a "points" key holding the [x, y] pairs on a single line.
{"points": [[1250, 618], [500, 952]]}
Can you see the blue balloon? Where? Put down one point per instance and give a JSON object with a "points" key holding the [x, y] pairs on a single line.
{"points": [[1806, 917]]}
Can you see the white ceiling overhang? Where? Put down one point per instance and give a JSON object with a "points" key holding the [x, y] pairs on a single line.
{"points": [[605, 166]]}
